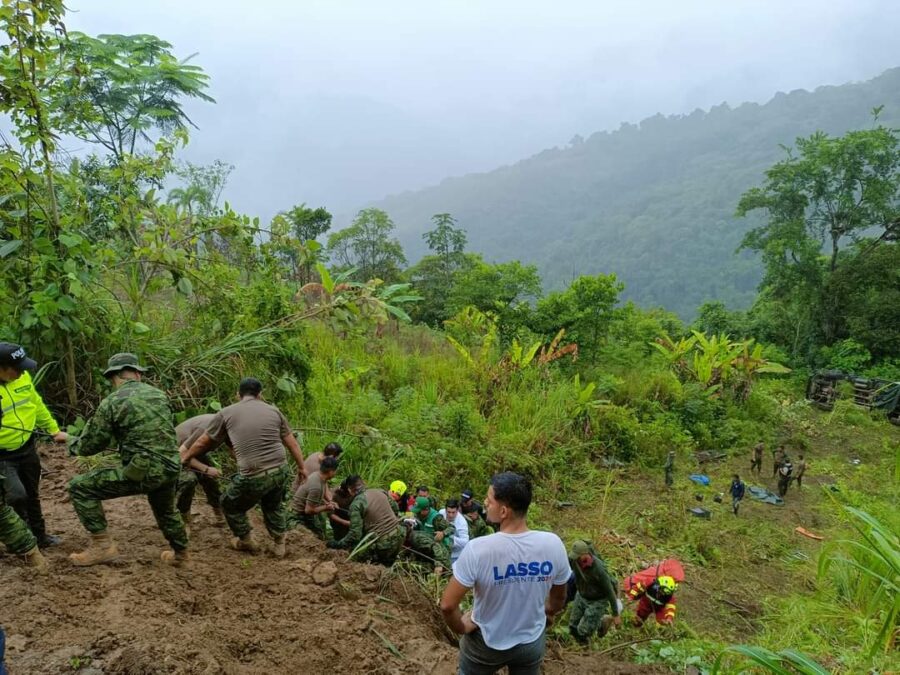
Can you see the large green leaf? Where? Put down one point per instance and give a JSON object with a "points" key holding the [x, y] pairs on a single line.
{"points": [[10, 247]]}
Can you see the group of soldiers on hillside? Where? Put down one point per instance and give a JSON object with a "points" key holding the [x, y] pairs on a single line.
{"points": [[783, 469], [167, 463]]}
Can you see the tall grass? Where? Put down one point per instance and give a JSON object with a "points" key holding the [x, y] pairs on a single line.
{"points": [[866, 575]]}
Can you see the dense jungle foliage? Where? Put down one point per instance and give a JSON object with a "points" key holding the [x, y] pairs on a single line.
{"points": [[448, 370]]}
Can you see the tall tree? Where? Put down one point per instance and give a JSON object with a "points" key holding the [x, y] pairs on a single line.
{"points": [[585, 309], [367, 245], [133, 85], [434, 275], [827, 195]]}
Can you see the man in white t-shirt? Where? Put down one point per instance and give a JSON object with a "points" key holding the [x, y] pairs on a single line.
{"points": [[458, 520], [519, 580]]}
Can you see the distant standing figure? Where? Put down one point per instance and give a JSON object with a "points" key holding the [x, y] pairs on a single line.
{"points": [[785, 471], [737, 492], [801, 469], [756, 460], [670, 469], [778, 458]]}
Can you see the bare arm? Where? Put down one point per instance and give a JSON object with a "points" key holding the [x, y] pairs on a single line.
{"points": [[453, 595], [201, 445], [556, 602], [294, 447]]}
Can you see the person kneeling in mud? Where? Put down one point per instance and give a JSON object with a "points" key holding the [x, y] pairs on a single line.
{"points": [[373, 520], [311, 500], [431, 535]]}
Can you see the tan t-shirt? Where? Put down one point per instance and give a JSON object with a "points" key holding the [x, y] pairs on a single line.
{"points": [[191, 429], [254, 429], [313, 463], [312, 492], [380, 518]]}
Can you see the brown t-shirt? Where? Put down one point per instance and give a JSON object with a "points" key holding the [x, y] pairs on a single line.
{"points": [[254, 429], [312, 492], [191, 429], [380, 518]]}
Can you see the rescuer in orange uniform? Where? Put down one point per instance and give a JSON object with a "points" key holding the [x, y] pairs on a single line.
{"points": [[654, 590]]}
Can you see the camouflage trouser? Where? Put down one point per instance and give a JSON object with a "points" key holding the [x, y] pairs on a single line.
{"points": [[266, 489], [315, 523], [424, 546], [89, 490], [187, 485], [14, 533], [585, 616], [385, 549]]}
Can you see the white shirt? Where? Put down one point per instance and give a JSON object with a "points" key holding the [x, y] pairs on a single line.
{"points": [[511, 575], [461, 538]]}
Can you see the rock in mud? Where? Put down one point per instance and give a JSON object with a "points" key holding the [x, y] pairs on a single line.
{"points": [[325, 574]]}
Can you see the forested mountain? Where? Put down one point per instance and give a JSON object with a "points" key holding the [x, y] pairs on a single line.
{"points": [[653, 202]]}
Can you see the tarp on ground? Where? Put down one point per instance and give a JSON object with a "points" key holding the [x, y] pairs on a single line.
{"points": [[699, 478], [763, 495]]}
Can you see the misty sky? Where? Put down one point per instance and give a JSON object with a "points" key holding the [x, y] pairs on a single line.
{"points": [[339, 102]]}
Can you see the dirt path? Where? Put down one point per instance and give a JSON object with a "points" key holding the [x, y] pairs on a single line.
{"points": [[228, 613]]}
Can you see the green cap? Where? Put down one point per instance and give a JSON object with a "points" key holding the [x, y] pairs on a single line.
{"points": [[580, 548], [421, 504], [119, 361]]}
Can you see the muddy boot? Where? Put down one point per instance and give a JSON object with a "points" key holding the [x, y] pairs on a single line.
{"points": [[175, 558], [102, 549], [34, 558], [218, 516], [246, 543], [278, 547], [187, 519]]}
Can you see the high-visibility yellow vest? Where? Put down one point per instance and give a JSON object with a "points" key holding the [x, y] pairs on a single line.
{"points": [[23, 410]]}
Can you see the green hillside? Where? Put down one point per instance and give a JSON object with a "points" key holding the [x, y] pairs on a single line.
{"points": [[653, 203]]}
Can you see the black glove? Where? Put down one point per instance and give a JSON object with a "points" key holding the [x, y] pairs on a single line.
{"points": [[332, 543]]}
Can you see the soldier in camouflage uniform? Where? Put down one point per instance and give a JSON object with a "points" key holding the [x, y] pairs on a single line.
{"points": [[15, 535], [135, 417], [373, 512], [477, 526], [432, 535], [596, 594]]}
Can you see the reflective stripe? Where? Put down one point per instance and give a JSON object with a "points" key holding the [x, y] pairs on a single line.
{"points": [[10, 407], [670, 606]]}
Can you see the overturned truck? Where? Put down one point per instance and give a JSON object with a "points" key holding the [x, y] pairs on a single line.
{"points": [[869, 392]]}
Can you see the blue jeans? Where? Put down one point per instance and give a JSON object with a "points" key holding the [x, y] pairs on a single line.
{"points": [[476, 658]]}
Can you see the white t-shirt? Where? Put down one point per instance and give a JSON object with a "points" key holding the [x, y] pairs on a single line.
{"points": [[461, 538], [511, 575]]}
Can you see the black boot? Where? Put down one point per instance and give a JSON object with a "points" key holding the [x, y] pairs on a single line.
{"points": [[47, 540]]}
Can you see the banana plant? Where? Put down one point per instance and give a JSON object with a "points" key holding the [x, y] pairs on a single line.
{"points": [[519, 357]]}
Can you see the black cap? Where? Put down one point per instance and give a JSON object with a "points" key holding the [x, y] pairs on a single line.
{"points": [[467, 495], [13, 355]]}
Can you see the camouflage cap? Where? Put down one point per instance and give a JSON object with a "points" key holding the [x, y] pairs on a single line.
{"points": [[580, 548], [121, 361]]}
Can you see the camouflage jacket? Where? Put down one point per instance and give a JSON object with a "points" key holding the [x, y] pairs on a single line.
{"points": [[479, 528], [137, 419]]}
